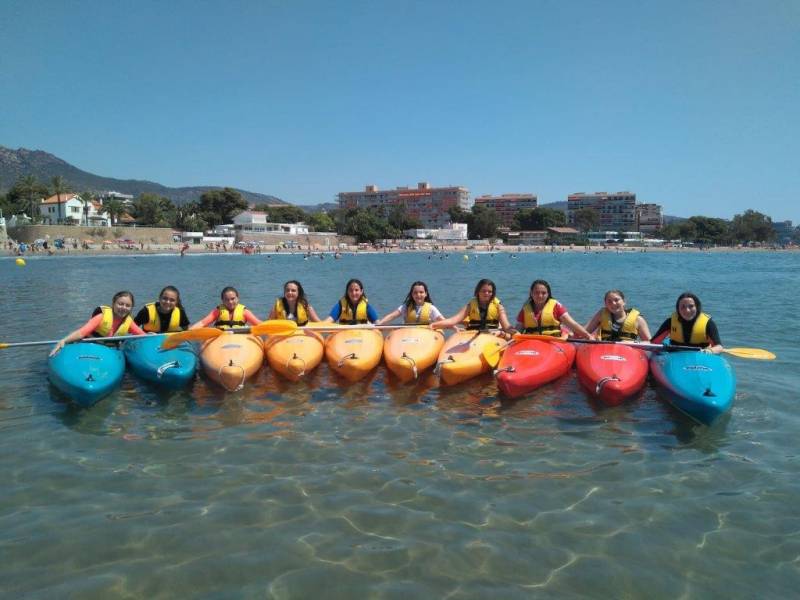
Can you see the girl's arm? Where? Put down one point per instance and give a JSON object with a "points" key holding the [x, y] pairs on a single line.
{"points": [[503, 320], [643, 329], [715, 343], [662, 332], [335, 313], [207, 320], [312, 314], [388, 318], [452, 321], [250, 317], [136, 330], [272, 314], [577, 328], [79, 333], [594, 322], [372, 314]]}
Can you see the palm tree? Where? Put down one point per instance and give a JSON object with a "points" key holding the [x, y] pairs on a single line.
{"points": [[85, 198], [31, 190], [114, 208], [59, 187]]}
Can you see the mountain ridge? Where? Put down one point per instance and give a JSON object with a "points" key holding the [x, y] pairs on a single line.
{"points": [[44, 166]]}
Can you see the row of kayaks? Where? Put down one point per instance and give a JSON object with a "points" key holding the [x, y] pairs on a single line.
{"points": [[699, 384]]}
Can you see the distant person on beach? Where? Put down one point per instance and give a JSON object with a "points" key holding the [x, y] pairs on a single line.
{"points": [[106, 321], [353, 308], [184, 248], [229, 314], [689, 326], [616, 323], [417, 308], [167, 314], [544, 315], [483, 311], [293, 305]]}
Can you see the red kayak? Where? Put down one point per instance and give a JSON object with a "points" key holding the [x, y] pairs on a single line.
{"points": [[529, 364], [611, 372]]}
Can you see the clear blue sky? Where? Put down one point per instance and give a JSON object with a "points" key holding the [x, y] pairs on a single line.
{"points": [[691, 104]]}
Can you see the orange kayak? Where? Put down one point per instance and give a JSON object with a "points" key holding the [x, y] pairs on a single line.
{"points": [[230, 359], [294, 355], [462, 358], [410, 350], [354, 353]]}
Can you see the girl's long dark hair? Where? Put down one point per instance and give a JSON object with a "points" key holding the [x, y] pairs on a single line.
{"points": [[301, 295], [361, 285], [696, 303], [482, 283], [409, 302], [172, 288]]}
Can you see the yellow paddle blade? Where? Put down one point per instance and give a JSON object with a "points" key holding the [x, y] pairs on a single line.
{"points": [[491, 354], [753, 353], [274, 327], [192, 335]]}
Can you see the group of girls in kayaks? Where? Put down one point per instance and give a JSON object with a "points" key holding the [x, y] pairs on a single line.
{"points": [[540, 314]]}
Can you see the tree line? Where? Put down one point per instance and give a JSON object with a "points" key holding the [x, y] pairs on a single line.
{"points": [[217, 207]]}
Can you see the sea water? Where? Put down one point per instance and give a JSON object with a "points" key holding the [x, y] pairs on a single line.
{"points": [[381, 490]]}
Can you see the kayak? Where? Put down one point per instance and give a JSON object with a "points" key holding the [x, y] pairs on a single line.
{"points": [[294, 355], [529, 364], [411, 350], [461, 358], [232, 358], [354, 353], [699, 384], [85, 372], [169, 368], [611, 372]]}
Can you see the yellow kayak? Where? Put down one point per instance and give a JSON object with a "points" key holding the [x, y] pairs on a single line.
{"points": [[294, 355], [354, 353], [230, 359], [411, 350], [462, 358]]}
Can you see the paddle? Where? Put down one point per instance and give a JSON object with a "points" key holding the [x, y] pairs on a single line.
{"points": [[115, 338], [324, 326], [749, 353], [201, 334]]}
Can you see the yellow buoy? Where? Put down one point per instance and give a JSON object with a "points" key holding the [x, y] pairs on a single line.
{"points": [[20, 262], [466, 257]]}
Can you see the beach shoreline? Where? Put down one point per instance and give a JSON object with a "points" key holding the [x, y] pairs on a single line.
{"points": [[461, 249]]}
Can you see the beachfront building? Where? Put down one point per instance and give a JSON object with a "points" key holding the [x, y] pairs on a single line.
{"points": [[649, 218], [615, 211], [70, 208], [252, 221], [508, 205], [600, 238], [454, 232], [536, 237], [429, 205], [783, 231], [564, 235], [125, 199]]}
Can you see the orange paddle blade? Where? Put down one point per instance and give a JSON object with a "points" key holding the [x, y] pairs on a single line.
{"points": [[274, 327], [192, 335]]}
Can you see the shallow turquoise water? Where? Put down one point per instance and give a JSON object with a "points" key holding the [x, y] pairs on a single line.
{"points": [[383, 491]]}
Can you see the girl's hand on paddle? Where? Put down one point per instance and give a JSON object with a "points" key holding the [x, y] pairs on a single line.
{"points": [[57, 348]]}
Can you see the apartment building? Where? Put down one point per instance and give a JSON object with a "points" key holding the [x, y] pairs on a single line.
{"points": [[507, 205]]}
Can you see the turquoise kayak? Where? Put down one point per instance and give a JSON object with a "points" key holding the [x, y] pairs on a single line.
{"points": [[169, 368], [696, 383], [85, 372]]}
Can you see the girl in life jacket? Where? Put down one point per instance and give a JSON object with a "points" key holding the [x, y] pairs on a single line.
{"points": [[353, 308], [615, 323], [293, 305], [164, 316], [690, 326], [106, 321], [417, 308], [544, 315], [229, 314], [483, 311]]}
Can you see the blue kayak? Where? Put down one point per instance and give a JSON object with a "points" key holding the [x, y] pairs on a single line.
{"points": [[696, 383], [85, 372], [169, 368]]}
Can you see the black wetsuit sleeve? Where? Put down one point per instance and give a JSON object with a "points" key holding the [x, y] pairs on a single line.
{"points": [[185, 322], [665, 327], [712, 333], [142, 317]]}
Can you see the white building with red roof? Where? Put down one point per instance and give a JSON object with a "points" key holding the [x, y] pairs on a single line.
{"points": [[69, 207]]}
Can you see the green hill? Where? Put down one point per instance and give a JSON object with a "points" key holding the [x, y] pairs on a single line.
{"points": [[44, 166]]}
